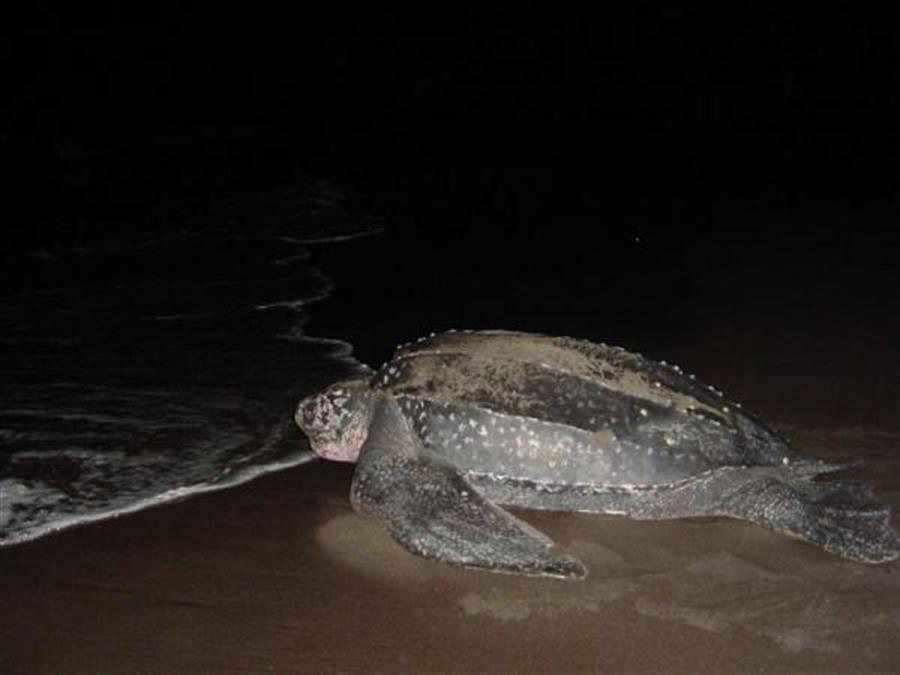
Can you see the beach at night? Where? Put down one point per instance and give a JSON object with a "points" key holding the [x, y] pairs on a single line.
{"points": [[202, 241]]}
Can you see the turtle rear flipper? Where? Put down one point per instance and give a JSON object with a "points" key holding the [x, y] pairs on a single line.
{"points": [[842, 517], [431, 509]]}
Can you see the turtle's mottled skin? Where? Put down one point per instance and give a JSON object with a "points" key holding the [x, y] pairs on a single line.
{"points": [[457, 423]]}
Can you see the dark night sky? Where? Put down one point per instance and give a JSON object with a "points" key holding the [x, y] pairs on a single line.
{"points": [[134, 71], [540, 123]]}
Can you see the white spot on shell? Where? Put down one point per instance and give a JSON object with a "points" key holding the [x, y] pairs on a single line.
{"points": [[643, 412]]}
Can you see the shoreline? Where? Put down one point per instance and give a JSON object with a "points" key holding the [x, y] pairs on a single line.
{"points": [[280, 575]]}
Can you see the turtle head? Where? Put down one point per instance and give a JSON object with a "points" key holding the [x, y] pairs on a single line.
{"points": [[336, 420]]}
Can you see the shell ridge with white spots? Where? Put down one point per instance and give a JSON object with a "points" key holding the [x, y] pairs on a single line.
{"points": [[476, 438], [614, 367], [528, 389]]}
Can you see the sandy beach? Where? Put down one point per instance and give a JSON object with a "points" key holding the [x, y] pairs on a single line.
{"points": [[281, 576]]}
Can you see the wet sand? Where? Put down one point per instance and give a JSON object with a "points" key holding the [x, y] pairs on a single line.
{"points": [[281, 576]]}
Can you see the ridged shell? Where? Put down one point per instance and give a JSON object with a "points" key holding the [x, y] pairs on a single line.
{"points": [[554, 379]]}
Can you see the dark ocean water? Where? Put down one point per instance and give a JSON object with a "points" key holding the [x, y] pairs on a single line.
{"points": [[153, 332]]}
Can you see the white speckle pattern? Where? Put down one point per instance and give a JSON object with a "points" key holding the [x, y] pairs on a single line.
{"points": [[526, 448], [558, 409]]}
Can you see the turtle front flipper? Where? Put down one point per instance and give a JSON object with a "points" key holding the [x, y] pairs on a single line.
{"points": [[430, 508]]}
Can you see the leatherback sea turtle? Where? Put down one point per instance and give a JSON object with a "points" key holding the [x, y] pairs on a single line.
{"points": [[458, 423]]}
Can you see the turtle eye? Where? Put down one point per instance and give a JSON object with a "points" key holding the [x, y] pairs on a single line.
{"points": [[314, 413]]}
